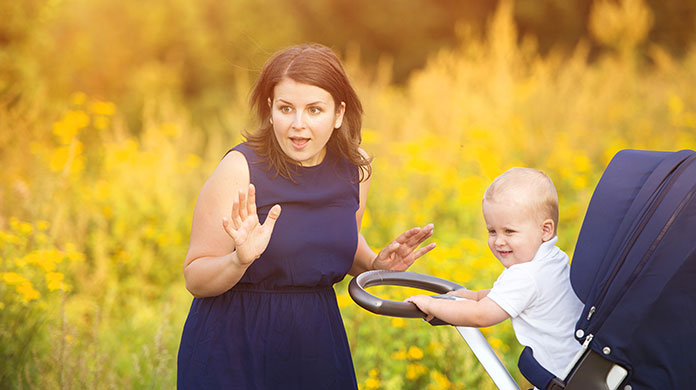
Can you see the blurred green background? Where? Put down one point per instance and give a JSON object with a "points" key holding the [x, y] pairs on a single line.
{"points": [[113, 113]]}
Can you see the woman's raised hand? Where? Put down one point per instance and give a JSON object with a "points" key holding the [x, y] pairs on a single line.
{"points": [[401, 253], [250, 237]]}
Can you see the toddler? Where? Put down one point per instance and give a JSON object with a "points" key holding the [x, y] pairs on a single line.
{"points": [[520, 208]]}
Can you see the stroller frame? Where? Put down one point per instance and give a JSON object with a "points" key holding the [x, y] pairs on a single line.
{"points": [[633, 268]]}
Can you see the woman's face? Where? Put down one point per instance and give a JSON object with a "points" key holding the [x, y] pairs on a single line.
{"points": [[304, 117]]}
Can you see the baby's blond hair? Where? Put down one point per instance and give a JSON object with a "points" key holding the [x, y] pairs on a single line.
{"points": [[529, 187]]}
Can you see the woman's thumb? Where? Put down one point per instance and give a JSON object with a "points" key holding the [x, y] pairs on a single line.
{"points": [[272, 216]]}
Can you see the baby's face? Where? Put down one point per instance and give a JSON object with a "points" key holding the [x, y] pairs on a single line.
{"points": [[514, 234]]}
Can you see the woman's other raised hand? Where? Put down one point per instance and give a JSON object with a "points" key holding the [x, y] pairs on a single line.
{"points": [[403, 251]]}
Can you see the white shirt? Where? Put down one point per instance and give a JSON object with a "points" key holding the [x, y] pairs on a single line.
{"points": [[542, 306]]}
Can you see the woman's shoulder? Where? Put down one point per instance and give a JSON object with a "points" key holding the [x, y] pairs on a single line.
{"points": [[234, 163]]}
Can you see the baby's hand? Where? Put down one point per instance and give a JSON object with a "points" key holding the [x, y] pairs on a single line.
{"points": [[423, 303]]}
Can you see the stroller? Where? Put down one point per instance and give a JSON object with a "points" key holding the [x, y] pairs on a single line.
{"points": [[634, 268]]}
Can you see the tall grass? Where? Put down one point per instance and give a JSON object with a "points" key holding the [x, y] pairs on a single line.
{"points": [[95, 213]]}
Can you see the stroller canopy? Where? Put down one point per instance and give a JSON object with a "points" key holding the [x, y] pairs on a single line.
{"points": [[634, 268]]}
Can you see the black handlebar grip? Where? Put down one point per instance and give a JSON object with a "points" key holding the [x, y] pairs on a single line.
{"points": [[376, 305]]}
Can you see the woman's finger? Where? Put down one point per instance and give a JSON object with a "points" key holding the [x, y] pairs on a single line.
{"points": [[420, 252], [228, 229], [407, 235], [420, 236], [272, 217], [243, 212], [251, 202], [388, 250], [236, 220]]}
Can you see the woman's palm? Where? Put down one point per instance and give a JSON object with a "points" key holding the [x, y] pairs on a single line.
{"points": [[250, 237]]}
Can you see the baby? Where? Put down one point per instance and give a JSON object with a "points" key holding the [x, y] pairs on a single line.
{"points": [[520, 208]]}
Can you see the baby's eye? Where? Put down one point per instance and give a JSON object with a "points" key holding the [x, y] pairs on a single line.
{"points": [[285, 109], [491, 232], [509, 231]]}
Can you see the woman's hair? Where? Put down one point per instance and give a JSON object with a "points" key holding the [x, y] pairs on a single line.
{"points": [[319, 66], [529, 187]]}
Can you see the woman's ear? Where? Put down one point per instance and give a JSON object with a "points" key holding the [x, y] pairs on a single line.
{"points": [[339, 115], [547, 229]]}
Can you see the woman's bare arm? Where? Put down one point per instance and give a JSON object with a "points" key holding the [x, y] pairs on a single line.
{"points": [[226, 236]]}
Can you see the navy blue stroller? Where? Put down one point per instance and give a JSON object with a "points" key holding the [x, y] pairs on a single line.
{"points": [[634, 268]]}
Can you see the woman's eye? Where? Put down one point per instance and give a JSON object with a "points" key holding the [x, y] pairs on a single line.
{"points": [[285, 109], [314, 110]]}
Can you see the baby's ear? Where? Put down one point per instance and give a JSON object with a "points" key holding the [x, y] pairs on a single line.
{"points": [[547, 229]]}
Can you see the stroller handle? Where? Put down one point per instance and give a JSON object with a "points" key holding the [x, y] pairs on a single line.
{"points": [[472, 336], [376, 305]]}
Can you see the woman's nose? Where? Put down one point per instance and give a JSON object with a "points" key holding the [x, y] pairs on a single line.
{"points": [[298, 120]]}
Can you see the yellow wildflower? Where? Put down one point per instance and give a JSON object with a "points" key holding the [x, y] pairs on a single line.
{"points": [[26, 228], [77, 119], [27, 291], [399, 355], [14, 223], [8, 238], [439, 381], [415, 371], [13, 278], [495, 343], [103, 108], [72, 253], [415, 353], [54, 281], [64, 131], [398, 322], [372, 383]]}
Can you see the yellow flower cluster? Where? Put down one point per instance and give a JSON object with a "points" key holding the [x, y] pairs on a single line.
{"points": [[23, 286], [32, 271], [68, 156]]}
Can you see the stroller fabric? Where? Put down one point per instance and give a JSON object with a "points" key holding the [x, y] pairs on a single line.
{"points": [[634, 266]]}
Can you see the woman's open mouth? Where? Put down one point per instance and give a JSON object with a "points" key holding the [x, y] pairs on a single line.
{"points": [[299, 142]]}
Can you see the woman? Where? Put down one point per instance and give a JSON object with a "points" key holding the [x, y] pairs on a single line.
{"points": [[265, 314]]}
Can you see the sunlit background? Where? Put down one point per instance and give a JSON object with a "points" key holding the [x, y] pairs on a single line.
{"points": [[113, 113]]}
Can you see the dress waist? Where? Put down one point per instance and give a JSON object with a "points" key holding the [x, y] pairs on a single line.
{"points": [[255, 288]]}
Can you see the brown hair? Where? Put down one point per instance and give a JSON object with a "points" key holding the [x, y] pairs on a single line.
{"points": [[319, 66]]}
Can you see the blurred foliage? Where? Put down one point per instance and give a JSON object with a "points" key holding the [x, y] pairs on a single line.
{"points": [[112, 115]]}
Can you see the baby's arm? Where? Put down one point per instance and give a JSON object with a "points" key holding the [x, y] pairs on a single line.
{"points": [[470, 294], [479, 314]]}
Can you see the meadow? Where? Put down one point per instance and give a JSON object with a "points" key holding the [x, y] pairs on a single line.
{"points": [[95, 207]]}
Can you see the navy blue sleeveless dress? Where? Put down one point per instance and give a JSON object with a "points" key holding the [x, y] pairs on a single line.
{"points": [[280, 326]]}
